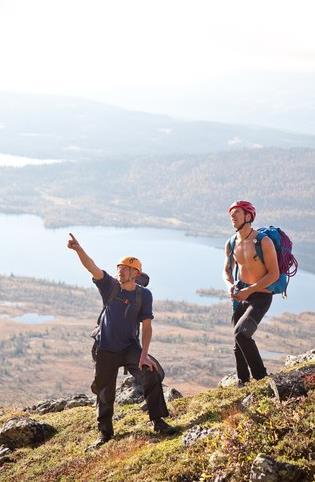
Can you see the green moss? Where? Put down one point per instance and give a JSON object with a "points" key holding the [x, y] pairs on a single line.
{"points": [[282, 430]]}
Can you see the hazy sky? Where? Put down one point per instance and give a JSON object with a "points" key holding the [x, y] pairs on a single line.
{"points": [[215, 59]]}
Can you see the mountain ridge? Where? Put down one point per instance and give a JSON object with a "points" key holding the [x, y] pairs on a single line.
{"points": [[71, 127]]}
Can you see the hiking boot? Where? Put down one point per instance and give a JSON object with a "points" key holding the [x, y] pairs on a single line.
{"points": [[102, 439], [160, 426], [241, 383]]}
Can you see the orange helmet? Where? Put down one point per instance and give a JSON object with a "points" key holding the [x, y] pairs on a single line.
{"points": [[131, 262]]}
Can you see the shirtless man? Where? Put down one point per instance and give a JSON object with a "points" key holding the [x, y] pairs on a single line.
{"points": [[249, 290]]}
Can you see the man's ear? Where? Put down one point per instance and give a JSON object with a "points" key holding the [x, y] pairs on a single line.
{"points": [[134, 273], [248, 217]]}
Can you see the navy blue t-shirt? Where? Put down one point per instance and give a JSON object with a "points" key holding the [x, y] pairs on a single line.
{"points": [[119, 326]]}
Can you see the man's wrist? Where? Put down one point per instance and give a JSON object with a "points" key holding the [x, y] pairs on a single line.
{"points": [[252, 288]]}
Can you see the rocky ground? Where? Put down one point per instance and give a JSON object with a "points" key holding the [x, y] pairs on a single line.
{"points": [[231, 434]]}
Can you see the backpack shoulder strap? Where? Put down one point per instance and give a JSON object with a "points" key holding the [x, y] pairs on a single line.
{"points": [[138, 304], [259, 237], [112, 295], [114, 292], [139, 291], [232, 243]]}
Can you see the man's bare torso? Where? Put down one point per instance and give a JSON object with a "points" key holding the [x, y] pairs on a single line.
{"points": [[251, 268]]}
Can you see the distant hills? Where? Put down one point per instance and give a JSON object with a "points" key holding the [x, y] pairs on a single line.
{"points": [[74, 128], [137, 169]]}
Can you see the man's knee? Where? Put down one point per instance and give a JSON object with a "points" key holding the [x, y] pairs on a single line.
{"points": [[245, 329], [107, 395]]}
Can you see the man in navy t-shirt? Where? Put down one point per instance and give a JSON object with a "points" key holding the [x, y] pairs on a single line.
{"points": [[118, 342]]}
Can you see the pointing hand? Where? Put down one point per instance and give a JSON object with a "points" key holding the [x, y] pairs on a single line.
{"points": [[73, 243]]}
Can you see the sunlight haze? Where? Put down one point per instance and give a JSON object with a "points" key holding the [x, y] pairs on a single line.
{"points": [[227, 61]]}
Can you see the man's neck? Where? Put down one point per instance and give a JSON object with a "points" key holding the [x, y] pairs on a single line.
{"points": [[245, 232], [128, 286]]}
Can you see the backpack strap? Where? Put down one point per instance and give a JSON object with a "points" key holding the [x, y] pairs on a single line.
{"points": [[259, 251], [138, 297], [112, 295], [232, 243]]}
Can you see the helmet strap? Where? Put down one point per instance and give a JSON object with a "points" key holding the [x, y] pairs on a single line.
{"points": [[241, 227]]}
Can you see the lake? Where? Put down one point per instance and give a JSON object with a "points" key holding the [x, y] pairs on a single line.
{"points": [[177, 264]]}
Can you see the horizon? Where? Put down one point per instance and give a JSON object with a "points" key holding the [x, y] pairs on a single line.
{"points": [[83, 98]]}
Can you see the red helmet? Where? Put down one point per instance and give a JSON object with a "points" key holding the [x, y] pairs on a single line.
{"points": [[246, 206]]}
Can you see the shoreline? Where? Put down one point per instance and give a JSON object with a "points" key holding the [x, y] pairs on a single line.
{"points": [[217, 238]]}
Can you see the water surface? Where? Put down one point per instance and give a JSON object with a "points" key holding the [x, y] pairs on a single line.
{"points": [[177, 264]]}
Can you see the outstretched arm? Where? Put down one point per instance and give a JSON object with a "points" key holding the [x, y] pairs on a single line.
{"points": [[87, 262]]}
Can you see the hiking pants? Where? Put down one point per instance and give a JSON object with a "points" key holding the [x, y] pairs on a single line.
{"points": [[245, 320], [106, 370]]}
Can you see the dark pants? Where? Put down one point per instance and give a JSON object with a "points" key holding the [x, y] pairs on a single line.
{"points": [[245, 320], [104, 385]]}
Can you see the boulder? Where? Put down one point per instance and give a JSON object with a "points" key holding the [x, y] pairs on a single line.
{"points": [[267, 469], [196, 433], [230, 380], [171, 393], [218, 458], [130, 391], [4, 450], [220, 478], [4, 454], [293, 360], [23, 432], [248, 401], [293, 384], [60, 404]]}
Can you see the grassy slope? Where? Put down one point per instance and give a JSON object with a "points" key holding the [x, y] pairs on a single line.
{"points": [[282, 430]]}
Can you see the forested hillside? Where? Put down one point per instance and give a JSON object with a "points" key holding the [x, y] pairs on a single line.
{"points": [[187, 192]]}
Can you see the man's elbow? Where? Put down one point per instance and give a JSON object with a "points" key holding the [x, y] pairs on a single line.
{"points": [[275, 275]]}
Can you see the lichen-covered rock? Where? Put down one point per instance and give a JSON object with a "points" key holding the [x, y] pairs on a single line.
{"points": [[220, 478], [60, 404], [171, 393], [293, 360], [295, 383], [4, 450], [129, 391], [4, 454], [80, 400], [267, 469], [218, 458], [197, 432], [230, 380], [248, 401], [24, 431]]}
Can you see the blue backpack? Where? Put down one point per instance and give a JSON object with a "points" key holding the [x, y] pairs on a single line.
{"points": [[287, 263]]}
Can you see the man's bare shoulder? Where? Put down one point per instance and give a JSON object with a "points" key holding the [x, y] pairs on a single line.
{"points": [[267, 243]]}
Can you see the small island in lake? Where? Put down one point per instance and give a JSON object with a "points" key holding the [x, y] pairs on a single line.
{"points": [[212, 292]]}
